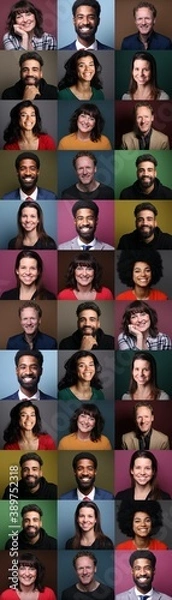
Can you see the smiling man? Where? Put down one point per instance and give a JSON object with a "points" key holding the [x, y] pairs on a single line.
{"points": [[142, 564], [147, 184], [87, 187], [147, 232], [32, 484], [86, 19], [85, 220], [85, 470], [28, 370], [85, 565], [32, 535], [146, 38], [144, 437], [144, 136], [30, 315], [31, 85], [27, 165], [89, 334]]}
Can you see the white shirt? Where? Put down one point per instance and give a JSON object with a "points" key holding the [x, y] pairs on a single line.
{"points": [[82, 496], [25, 397], [138, 594], [24, 196], [80, 46], [91, 244]]}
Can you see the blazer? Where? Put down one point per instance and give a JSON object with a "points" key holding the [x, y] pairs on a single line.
{"points": [[41, 195], [43, 396], [158, 141], [158, 441], [131, 595], [73, 245], [100, 46], [41, 341], [100, 494]]}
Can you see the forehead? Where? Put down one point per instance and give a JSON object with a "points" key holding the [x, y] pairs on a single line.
{"points": [[143, 110], [85, 212], [27, 260], [142, 462], [85, 10], [33, 64], [146, 164], [84, 561], [140, 62], [27, 410], [139, 362], [85, 462], [145, 213], [144, 11], [29, 311], [31, 514], [27, 162], [85, 359], [88, 313], [143, 410], [29, 464], [141, 265], [142, 562], [28, 360], [83, 161]]}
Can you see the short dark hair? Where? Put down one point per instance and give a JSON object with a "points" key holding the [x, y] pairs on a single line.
{"points": [[88, 306], [93, 3], [35, 353], [32, 55], [145, 5], [25, 155], [85, 204], [83, 455], [30, 456], [143, 103], [31, 507], [92, 110], [145, 206], [94, 411], [30, 304], [146, 158], [143, 554], [84, 153], [84, 553]]}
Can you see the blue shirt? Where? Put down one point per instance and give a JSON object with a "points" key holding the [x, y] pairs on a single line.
{"points": [[156, 41]]}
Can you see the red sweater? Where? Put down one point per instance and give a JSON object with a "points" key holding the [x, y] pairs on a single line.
{"points": [[46, 442], [46, 142]]}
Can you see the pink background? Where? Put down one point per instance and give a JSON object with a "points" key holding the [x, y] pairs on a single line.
{"points": [[105, 227], [49, 12], [122, 476], [8, 278]]}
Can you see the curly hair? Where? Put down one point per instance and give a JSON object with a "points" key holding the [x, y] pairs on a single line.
{"points": [[13, 129], [153, 77], [35, 353], [139, 306], [42, 235], [40, 291], [93, 3], [146, 554], [93, 111], [145, 205], [148, 357], [30, 560], [25, 6], [97, 527], [27, 155], [94, 411], [127, 261], [127, 511], [71, 77], [84, 259], [12, 433], [71, 376], [155, 493]]}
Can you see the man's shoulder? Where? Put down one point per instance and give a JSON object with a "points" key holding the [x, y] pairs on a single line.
{"points": [[100, 494], [14, 195], [100, 46], [157, 42], [44, 194], [72, 342], [13, 396], [45, 341], [126, 595], [69, 245], [128, 241], [71, 192], [15, 92], [44, 396], [130, 192]]}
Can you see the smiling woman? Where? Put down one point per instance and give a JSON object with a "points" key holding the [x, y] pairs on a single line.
{"points": [[143, 381], [31, 232], [143, 82], [88, 529], [140, 520], [24, 431], [140, 330], [24, 131], [86, 126], [81, 380], [81, 79], [30, 580], [86, 426], [28, 270], [25, 29]]}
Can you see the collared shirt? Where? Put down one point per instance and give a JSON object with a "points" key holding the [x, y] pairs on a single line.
{"points": [[144, 140], [24, 196], [80, 46], [160, 342], [24, 396], [144, 441], [45, 42], [82, 496], [91, 244], [138, 594]]}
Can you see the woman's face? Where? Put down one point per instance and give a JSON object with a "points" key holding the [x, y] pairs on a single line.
{"points": [[27, 118], [142, 524], [85, 423], [25, 20], [85, 123], [141, 371], [142, 274], [27, 418], [86, 519], [27, 271], [27, 574], [85, 68], [142, 471], [85, 368], [141, 71], [84, 275], [29, 219], [141, 321]]}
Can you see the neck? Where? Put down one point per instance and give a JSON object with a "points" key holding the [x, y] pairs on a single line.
{"points": [[84, 289], [141, 293], [26, 291], [27, 590], [93, 585], [83, 135], [141, 543], [31, 237], [141, 491], [27, 435], [28, 393], [88, 538], [86, 43], [81, 435], [29, 337], [28, 192], [27, 136], [90, 187]]}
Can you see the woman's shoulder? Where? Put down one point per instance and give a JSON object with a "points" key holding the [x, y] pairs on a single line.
{"points": [[12, 244], [127, 545], [128, 295], [66, 442], [46, 142], [157, 295], [66, 141], [163, 395], [104, 143], [157, 545], [12, 146], [163, 95], [126, 96], [105, 294], [97, 94], [69, 544], [47, 594], [12, 294], [126, 396], [97, 394], [46, 442], [46, 243], [125, 494], [44, 295], [65, 94], [66, 394], [66, 294], [104, 443]]}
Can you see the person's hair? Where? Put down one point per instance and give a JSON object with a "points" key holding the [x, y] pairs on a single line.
{"points": [[93, 3], [139, 306], [40, 292], [153, 74], [143, 103], [84, 153], [12, 433], [88, 306], [13, 129], [92, 110], [127, 511], [42, 235], [140, 404], [146, 158], [145, 206], [85, 258], [30, 304], [155, 493], [145, 5], [30, 507], [35, 353], [24, 156], [30, 456], [31, 55], [143, 554], [71, 77], [94, 411], [127, 260], [80, 204], [81, 456], [71, 376], [97, 527], [25, 6], [30, 560], [84, 553], [152, 383]]}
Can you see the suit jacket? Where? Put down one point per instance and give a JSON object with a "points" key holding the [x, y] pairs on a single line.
{"points": [[43, 396], [100, 46], [42, 341], [100, 494], [158, 141], [158, 441], [131, 595], [41, 195], [73, 245]]}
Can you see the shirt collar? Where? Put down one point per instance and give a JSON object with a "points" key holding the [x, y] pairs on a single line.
{"points": [[24, 396], [80, 46], [23, 196], [92, 244], [82, 496], [138, 594]]}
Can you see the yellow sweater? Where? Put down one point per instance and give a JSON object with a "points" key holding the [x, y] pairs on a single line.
{"points": [[71, 442], [71, 142]]}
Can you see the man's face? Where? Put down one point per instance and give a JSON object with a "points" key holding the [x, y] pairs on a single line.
{"points": [[29, 320], [85, 22], [86, 570], [31, 473], [85, 474], [144, 419], [28, 174], [144, 119], [144, 20], [146, 223], [85, 223], [88, 322], [146, 174], [28, 372], [85, 170], [143, 574], [31, 72], [31, 524]]}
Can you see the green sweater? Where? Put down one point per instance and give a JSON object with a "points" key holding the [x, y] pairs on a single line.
{"points": [[66, 394], [66, 94]]}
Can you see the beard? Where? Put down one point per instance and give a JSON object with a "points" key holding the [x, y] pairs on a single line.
{"points": [[146, 182], [32, 484], [87, 34], [146, 233], [85, 485]]}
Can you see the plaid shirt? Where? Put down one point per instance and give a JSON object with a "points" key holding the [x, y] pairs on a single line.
{"points": [[160, 342], [46, 42]]}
